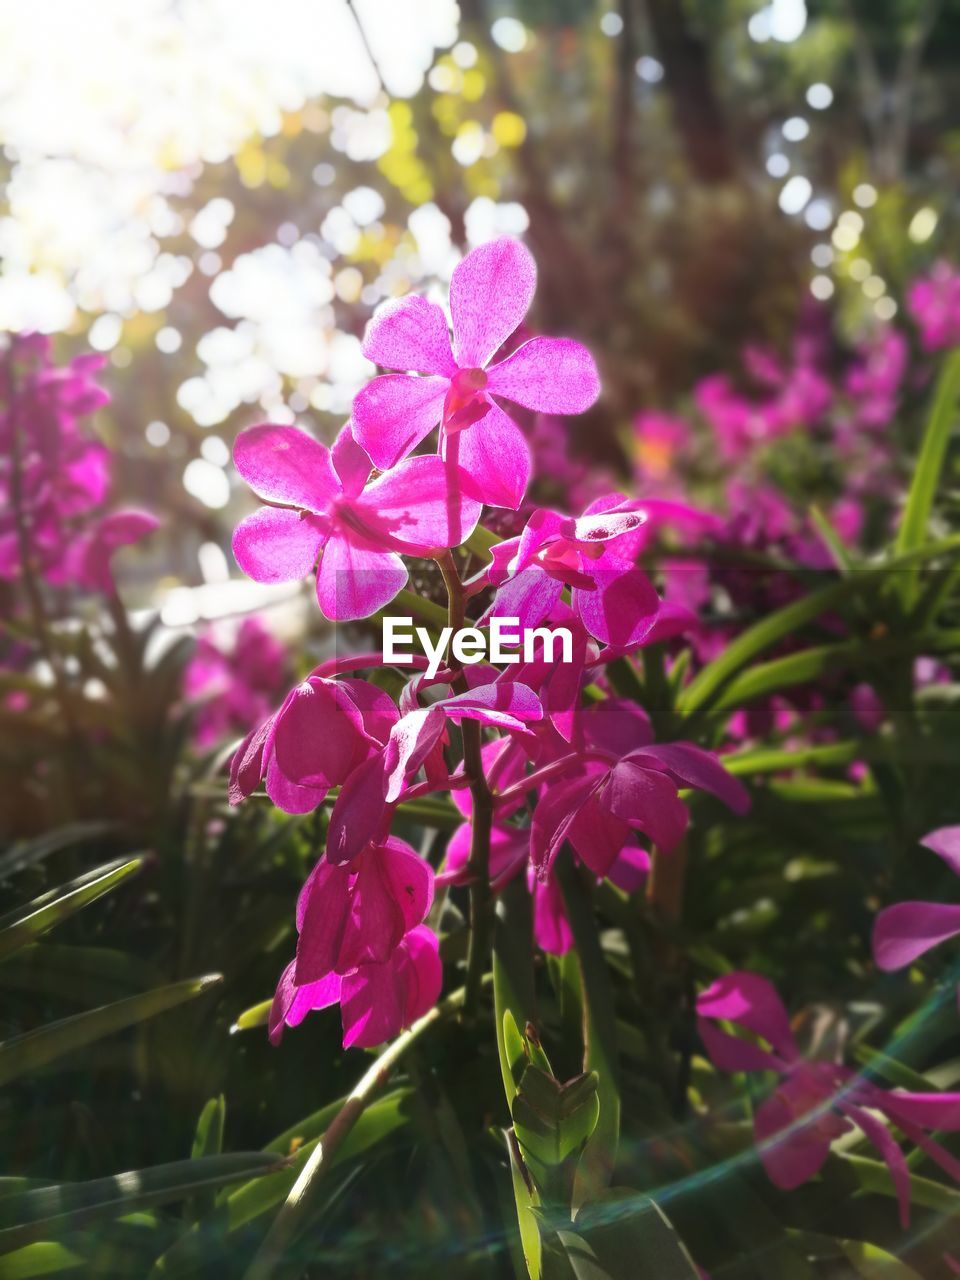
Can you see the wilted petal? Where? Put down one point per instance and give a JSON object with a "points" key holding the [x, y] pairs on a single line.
{"points": [[495, 455], [276, 544], [752, 1002], [550, 375], [393, 413], [355, 580], [905, 931], [422, 504], [410, 334], [691, 766], [623, 608], [490, 293], [284, 464], [945, 842]]}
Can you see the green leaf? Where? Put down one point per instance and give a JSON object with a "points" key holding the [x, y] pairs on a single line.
{"points": [[481, 541], [763, 635], [527, 1200], [35, 1049], [207, 1141], [28, 853], [45, 1259], [926, 476], [623, 1235], [28, 923], [868, 1260], [51, 1210], [873, 1175], [600, 1032], [87, 974], [513, 988], [553, 1120]]}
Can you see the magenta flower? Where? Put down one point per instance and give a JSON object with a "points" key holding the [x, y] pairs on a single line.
{"points": [[934, 303], [358, 914], [323, 503], [814, 1102], [233, 685], [377, 1001], [364, 807], [91, 558], [907, 930], [322, 733], [593, 556], [490, 293]]}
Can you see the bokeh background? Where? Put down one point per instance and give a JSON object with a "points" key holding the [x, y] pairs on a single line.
{"points": [[217, 195]]}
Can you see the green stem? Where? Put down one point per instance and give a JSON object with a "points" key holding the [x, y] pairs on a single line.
{"points": [[478, 863], [296, 1208]]}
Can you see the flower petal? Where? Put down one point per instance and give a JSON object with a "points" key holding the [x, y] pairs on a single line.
{"points": [[360, 815], [378, 1001], [529, 595], [277, 544], [393, 413], [422, 505], [319, 736], [551, 928], [355, 581], [411, 740], [905, 931], [284, 464], [648, 801], [752, 1002], [410, 334], [495, 455], [490, 293], [623, 608], [791, 1156], [881, 1138], [945, 843], [691, 766], [550, 375], [350, 462]]}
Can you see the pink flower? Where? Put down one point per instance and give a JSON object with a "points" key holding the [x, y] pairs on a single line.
{"points": [[934, 303], [593, 556], [906, 931], [363, 809], [233, 685], [490, 293], [323, 503], [91, 558], [658, 438], [322, 733], [377, 1001], [814, 1102]]}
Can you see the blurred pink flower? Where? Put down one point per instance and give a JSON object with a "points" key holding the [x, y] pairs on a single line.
{"points": [[904, 932], [934, 304], [233, 684]]}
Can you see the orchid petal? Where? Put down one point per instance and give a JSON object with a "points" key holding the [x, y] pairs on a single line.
{"points": [[277, 544], [360, 814], [350, 462], [284, 464], [410, 334], [422, 504], [751, 1001], [355, 580], [791, 1153], [549, 375], [905, 931], [623, 608], [495, 455], [648, 801], [393, 413], [490, 293], [691, 766], [945, 843]]}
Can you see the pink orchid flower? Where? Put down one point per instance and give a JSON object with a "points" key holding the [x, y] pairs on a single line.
{"points": [[233, 684], [594, 557], [359, 913], [907, 930], [322, 502], [814, 1102], [377, 1001], [363, 809], [934, 303], [322, 733], [91, 557], [490, 292]]}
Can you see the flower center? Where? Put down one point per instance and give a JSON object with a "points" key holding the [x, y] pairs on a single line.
{"points": [[465, 402]]}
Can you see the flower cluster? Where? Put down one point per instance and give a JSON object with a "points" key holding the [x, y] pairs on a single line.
{"points": [[934, 303], [233, 681], [815, 1102], [54, 477], [547, 766]]}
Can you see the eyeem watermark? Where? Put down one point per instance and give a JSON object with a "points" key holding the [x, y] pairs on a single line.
{"points": [[503, 641]]}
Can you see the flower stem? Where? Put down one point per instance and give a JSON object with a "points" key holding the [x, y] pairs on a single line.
{"points": [[478, 863], [295, 1209]]}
